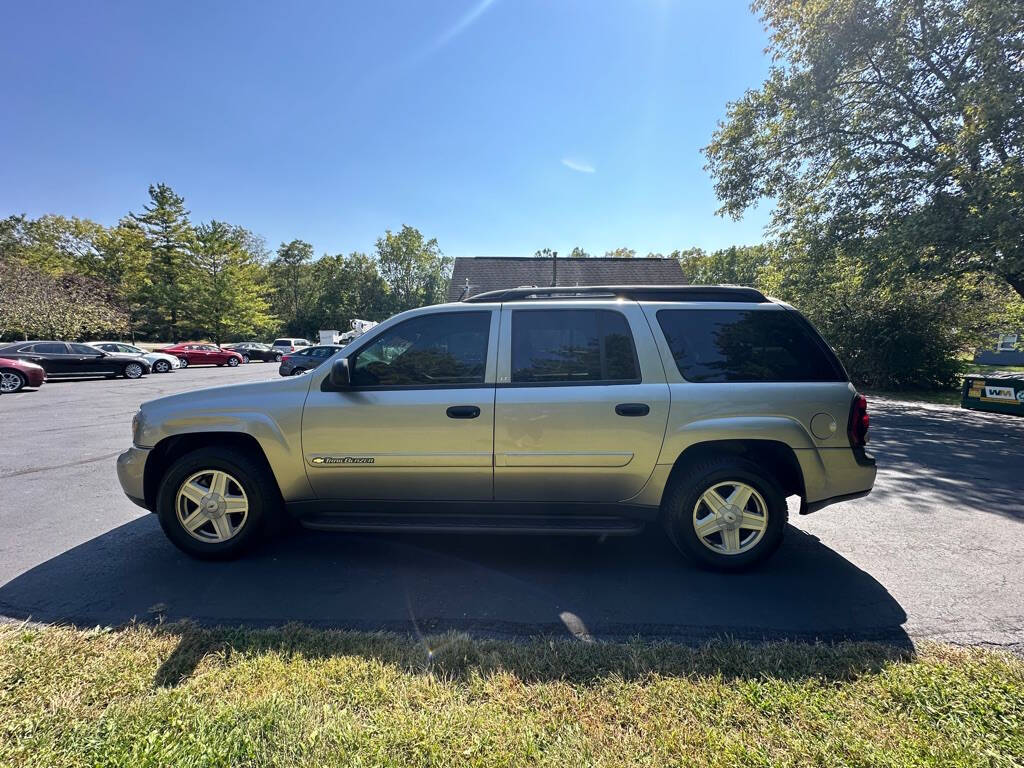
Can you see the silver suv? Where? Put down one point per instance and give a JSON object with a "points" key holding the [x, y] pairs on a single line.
{"points": [[591, 410]]}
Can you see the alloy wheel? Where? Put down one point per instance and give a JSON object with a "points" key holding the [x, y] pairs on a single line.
{"points": [[161, 366], [183, 361], [730, 518], [11, 381], [212, 506], [232, 362], [132, 370]]}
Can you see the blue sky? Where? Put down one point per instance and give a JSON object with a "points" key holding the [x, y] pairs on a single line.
{"points": [[496, 126]]}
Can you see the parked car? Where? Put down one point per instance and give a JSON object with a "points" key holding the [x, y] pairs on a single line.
{"points": [[307, 359], [62, 358], [15, 375], [202, 354], [158, 361], [549, 411], [284, 346], [255, 350]]}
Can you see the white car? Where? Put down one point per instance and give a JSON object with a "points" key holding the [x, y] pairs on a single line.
{"points": [[160, 362], [284, 346]]}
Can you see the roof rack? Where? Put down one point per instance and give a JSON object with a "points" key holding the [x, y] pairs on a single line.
{"points": [[633, 292]]}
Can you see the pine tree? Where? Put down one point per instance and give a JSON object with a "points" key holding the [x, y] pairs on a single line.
{"points": [[230, 292], [169, 236]]}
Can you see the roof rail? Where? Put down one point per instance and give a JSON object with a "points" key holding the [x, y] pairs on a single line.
{"points": [[633, 292]]}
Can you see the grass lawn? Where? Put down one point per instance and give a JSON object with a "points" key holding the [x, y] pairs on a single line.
{"points": [[178, 695]]}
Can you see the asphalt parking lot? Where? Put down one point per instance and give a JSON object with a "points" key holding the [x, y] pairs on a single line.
{"points": [[934, 552]]}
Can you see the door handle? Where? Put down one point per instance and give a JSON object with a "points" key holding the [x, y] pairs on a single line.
{"points": [[632, 409], [463, 412]]}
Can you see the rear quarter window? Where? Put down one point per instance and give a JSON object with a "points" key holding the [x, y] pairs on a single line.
{"points": [[744, 345]]}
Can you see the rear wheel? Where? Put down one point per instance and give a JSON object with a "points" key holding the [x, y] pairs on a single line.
{"points": [[183, 361], [245, 359], [298, 371], [133, 371], [215, 503], [161, 366], [725, 514], [277, 357], [11, 381]]}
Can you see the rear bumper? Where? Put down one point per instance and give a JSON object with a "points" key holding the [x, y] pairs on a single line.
{"points": [[832, 475], [131, 473]]}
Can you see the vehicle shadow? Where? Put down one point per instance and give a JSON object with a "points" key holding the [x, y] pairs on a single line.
{"points": [[935, 456], [583, 590]]}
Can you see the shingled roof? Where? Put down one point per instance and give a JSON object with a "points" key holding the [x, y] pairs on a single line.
{"points": [[494, 273]]}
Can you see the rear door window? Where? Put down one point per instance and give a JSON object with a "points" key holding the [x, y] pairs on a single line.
{"points": [[572, 346], [743, 345], [51, 348]]}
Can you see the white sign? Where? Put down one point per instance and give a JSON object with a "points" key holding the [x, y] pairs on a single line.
{"points": [[1000, 393]]}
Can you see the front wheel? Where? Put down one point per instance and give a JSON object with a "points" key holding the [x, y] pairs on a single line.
{"points": [[215, 503], [11, 381], [161, 366], [232, 362], [133, 371], [725, 514]]}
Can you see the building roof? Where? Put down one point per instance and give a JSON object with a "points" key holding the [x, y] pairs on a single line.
{"points": [[497, 273]]}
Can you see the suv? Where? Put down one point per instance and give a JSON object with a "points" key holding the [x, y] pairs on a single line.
{"points": [[284, 346], [547, 411]]}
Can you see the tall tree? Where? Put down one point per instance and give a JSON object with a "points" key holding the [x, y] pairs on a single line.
{"points": [[290, 274], [230, 293], [169, 237], [893, 124], [578, 253], [620, 253], [124, 263], [415, 269]]}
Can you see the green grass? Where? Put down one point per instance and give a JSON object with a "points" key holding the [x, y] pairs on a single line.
{"points": [[178, 695]]}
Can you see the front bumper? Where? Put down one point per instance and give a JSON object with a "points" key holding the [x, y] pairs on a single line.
{"points": [[131, 473]]}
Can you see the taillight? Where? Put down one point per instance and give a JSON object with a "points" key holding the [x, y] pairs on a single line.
{"points": [[859, 422]]}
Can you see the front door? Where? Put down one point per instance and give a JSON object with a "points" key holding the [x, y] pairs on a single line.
{"points": [[89, 360], [418, 420], [579, 416]]}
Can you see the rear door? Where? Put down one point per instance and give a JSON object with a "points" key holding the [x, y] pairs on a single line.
{"points": [[581, 403], [418, 421], [53, 356]]}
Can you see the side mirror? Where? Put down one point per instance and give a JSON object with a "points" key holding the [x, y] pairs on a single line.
{"points": [[341, 377]]}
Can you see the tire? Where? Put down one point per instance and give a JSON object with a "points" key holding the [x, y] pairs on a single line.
{"points": [[183, 361], [277, 357], [133, 371], [245, 359], [208, 541], [232, 362], [685, 508], [161, 366], [11, 381], [298, 371]]}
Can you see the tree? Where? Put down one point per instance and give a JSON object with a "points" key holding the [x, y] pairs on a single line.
{"points": [[348, 287], [290, 276], [578, 253], [230, 298], [169, 237], [124, 263], [891, 124], [735, 265], [545, 253], [414, 269], [620, 253]]}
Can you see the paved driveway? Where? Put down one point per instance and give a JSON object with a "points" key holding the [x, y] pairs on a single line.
{"points": [[933, 552]]}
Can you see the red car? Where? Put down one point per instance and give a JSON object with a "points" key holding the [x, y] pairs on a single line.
{"points": [[16, 374], [202, 354]]}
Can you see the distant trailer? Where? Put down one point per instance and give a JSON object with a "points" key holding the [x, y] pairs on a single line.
{"points": [[995, 392]]}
